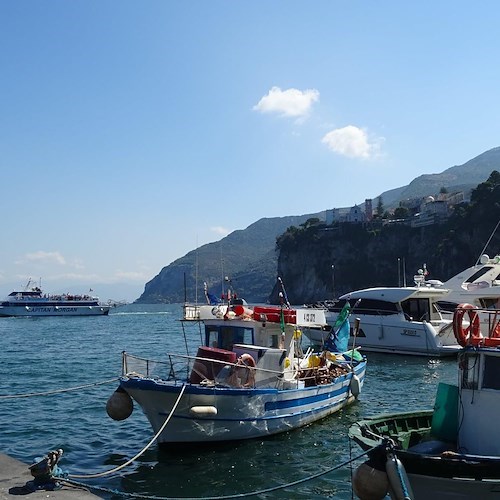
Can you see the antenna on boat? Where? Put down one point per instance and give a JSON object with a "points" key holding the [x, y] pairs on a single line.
{"points": [[487, 243], [196, 274], [221, 271]]}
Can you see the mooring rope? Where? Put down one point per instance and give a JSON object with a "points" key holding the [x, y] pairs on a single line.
{"points": [[128, 462], [227, 497], [58, 391]]}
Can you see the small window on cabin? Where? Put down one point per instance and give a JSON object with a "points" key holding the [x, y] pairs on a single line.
{"points": [[230, 335], [417, 309], [470, 371], [212, 336], [491, 375], [273, 341]]}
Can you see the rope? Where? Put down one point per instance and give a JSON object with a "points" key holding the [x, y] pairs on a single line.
{"points": [[154, 438], [236, 495], [58, 391]]}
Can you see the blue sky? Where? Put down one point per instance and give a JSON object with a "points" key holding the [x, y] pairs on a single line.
{"points": [[133, 132]]}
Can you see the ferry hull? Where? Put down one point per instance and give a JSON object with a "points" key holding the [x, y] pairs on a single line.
{"points": [[66, 310]]}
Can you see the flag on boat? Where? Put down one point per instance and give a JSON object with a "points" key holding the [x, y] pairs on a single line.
{"points": [[211, 298], [338, 339]]}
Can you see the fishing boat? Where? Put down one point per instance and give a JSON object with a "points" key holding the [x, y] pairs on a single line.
{"points": [[453, 450], [32, 301], [252, 377], [397, 320]]}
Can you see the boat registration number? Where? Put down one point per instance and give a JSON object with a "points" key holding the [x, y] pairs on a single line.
{"points": [[410, 333]]}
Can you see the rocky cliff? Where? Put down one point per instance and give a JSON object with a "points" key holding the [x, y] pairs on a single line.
{"points": [[318, 262]]}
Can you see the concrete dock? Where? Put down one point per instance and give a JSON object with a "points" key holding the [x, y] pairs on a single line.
{"points": [[14, 475]]}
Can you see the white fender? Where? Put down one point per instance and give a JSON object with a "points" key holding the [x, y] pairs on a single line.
{"points": [[203, 411], [355, 385]]}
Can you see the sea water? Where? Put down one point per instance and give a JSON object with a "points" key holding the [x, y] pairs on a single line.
{"points": [[44, 355]]}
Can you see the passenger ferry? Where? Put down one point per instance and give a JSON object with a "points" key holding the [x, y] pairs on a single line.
{"points": [[33, 302]]}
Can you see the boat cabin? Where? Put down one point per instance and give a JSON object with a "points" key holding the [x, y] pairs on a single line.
{"points": [[479, 401]]}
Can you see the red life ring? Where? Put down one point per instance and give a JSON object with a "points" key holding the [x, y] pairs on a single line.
{"points": [[470, 335], [496, 331]]}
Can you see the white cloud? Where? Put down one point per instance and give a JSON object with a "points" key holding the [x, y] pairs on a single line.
{"points": [[42, 256], [290, 102], [220, 230], [131, 275], [353, 142]]}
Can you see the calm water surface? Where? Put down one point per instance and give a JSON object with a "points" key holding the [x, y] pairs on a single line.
{"points": [[46, 354]]}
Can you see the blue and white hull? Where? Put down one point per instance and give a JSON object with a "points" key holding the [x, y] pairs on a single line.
{"points": [[207, 414]]}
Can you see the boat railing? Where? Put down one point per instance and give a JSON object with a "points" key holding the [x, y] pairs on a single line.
{"points": [[191, 312], [150, 368], [198, 369]]}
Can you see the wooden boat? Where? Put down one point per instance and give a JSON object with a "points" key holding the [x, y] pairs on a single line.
{"points": [[452, 451], [251, 378]]}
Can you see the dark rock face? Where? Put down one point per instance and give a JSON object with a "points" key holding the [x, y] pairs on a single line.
{"points": [[318, 263]]}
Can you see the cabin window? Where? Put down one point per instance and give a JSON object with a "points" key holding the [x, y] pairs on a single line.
{"points": [[480, 273], [491, 375], [274, 341], [417, 309], [368, 306], [469, 365], [337, 306], [490, 303], [224, 337]]}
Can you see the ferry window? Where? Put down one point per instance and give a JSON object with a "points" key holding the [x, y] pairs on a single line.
{"points": [[491, 375], [477, 275], [469, 365], [418, 309]]}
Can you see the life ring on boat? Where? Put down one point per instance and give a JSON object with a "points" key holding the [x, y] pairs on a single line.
{"points": [[247, 360], [243, 372], [470, 335], [496, 331]]}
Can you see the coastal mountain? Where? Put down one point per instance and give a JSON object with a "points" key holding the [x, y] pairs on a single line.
{"points": [[458, 178], [249, 257], [245, 257]]}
